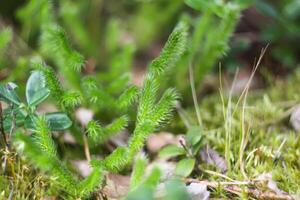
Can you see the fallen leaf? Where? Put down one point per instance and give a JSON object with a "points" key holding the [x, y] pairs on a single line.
{"points": [[295, 119], [272, 185], [157, 141], [117, 186], [198, 191], [69, 138], [90, 66], [120, 140], [167, 168], [84, 115], [46, 107], [82, 167], [212, 157]]}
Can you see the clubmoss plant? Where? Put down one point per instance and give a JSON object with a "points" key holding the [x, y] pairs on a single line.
{"points": [[151, 113], [211, 32]]}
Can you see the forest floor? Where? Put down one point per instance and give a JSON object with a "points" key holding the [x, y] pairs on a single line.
{"points": [[250, 149]]}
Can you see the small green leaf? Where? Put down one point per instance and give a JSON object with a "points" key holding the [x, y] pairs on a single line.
{"points": [[19, 118], [58, 121], [185, 167], [29, 122], [193, 135], [36, 89], [171, 151], [8, 94], [193, 138]]}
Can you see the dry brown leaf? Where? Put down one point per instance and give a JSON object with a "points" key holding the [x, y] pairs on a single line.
{"points": [[84, 115], [69, 138], [212, 157], [272, 185], [157, 141], [198, 191], [295, 119], [82, 167], [117, 186], [166, 168]]}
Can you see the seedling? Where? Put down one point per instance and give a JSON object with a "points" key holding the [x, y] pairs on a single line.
{"points": [[187, 151], [20, 114]]}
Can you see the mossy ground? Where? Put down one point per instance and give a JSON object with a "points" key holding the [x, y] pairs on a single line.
{"points": [[270, 143]]}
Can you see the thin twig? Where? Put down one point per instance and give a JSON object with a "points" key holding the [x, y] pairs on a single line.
{"points": [[13, 122], [235, 188], [86, 148], [13, 126], [11, 192], [1, 126], [219, 175]]}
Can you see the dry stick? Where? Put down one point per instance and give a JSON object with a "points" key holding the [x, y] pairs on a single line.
{"points": [[235, 188], [219, 175], [86, 147], [11, 192], [1, 126], [182, 143], [13, 126]]}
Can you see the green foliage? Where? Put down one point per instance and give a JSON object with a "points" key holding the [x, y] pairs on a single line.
{"points": [[71, 99], [58, 121], [150, 13], [39, 12], [25, 114], [8, 94], [51, 80], [147, 186], [36, 90], [211, 32], [187, 153], [283, 32], [128, 97], [151, 113], [99, 79], [71, 15], [99, 134], [185, 167], [5, 39], [139, 168], [173, 50], [45, 160], [176, 191], [171, 151], [42, 135], [55, 45]]}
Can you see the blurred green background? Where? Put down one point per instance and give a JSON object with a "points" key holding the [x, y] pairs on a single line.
{"points": [[100, 29]]}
